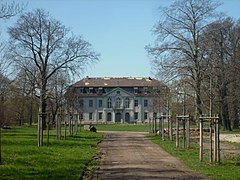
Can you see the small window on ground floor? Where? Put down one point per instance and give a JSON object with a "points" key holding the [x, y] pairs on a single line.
{"points": [[100, 115], [145, 115], [136, 115], [155, 115], [81, 116], [90, 116]]}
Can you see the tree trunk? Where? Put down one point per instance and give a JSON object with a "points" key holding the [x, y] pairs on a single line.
{"points": [[235, 102], [235, 116], [198, 98], [31, 113], [1, 124], [224, 108], [235, 109], [42, 114]]}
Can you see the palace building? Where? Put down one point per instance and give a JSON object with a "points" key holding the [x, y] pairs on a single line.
{"points": [[117, 100]]}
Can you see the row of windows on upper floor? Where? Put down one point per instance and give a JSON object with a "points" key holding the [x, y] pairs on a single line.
{"points": [[100, 90], [118, 103]]}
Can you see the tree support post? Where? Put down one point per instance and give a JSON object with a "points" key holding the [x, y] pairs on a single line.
{"points": [[40, 129], [201, 140], [214, 146], [162, 130], [171, 130], [188, 132], [48, 127], [211, 143], [177, 133], [150, 125], [154, 125], [218, 141]]}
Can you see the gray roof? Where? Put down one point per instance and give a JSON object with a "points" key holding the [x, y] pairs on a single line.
{"points": [[117, 82]]}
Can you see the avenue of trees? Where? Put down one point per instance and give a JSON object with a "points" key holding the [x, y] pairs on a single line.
{"points": [[197, 52], [43, 56], [7, 10]]}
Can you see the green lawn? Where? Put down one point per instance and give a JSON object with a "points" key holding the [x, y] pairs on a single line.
{"points": [[61, 159], [123, 127], [227, 169], [67, 159]]}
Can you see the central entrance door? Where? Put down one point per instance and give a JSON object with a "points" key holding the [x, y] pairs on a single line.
{"points": [[127, 118], [118, 117], [109, 116]]}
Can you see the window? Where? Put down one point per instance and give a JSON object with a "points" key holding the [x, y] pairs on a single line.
{"points": [[90, 116], [109, 116], [135, 90], [81, 103], [118, 102], [81, 90], [145, 115], [109, 103], [100, 116], [127, 103], [90, 103], [145, 103], [145, 90], [90, 90], [100, 90], [81, 116], [118, 92], [135, 102], [99, 103], [136, 115], [155, 115]]}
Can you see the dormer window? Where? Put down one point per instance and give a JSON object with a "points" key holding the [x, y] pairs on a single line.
{"points": [[100, 90], [145, 90], [91, 90], [81, 90], [135, 90]]}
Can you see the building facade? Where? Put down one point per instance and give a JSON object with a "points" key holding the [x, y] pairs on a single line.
{"points": [[117, 100]]}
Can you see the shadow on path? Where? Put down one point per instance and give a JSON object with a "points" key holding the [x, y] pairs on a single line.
{"points": [[128, 155]]}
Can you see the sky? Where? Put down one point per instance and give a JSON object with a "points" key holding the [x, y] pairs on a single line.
{"points": [[117, 29]]}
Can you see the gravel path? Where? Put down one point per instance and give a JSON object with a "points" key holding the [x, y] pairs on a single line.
{"points": [[230, 137], [128, 155]]}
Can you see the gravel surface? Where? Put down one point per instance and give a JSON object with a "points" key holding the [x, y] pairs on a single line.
{"points": [[230, 137], [128, 155]]}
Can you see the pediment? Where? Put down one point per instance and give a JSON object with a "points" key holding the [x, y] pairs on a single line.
{"points": [[119, 92]]}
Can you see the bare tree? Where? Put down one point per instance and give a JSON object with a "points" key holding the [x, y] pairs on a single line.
{"points": [[42, 41], [58, 85], [224, 36], [180, 48], [7, 10]]}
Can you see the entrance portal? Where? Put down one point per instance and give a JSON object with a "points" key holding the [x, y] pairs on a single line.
{"points": [[109, 116], [118, 117], [127, 118]]}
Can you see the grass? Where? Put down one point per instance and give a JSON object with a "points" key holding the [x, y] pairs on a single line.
{"points": [[61, 159], [227, 169], [234, 131], [67, 159], [123, 127]]}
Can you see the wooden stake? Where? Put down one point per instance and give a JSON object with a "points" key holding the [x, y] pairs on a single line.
{"points": [[210, 137], [177, 133], [201, 141], [188, 132]]}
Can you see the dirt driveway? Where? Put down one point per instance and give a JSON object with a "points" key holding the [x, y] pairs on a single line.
{"points": [[128, 155]]}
